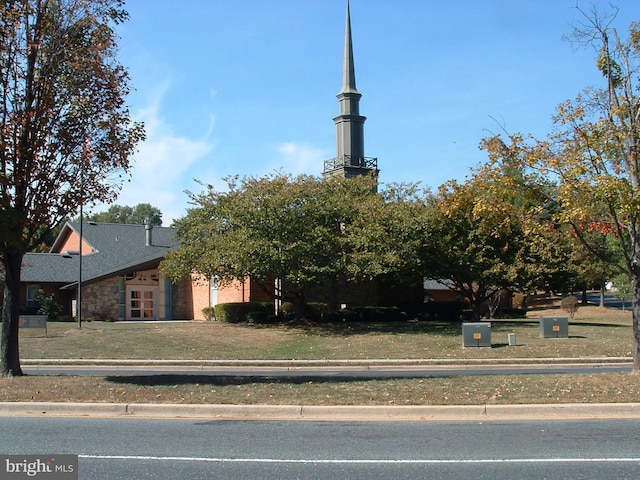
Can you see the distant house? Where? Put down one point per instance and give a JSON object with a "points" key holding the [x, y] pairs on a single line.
{"points": [[120, 278], [439, 291]]}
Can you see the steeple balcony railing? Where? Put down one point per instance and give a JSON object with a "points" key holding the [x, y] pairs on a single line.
{"points": [[346, 161]]}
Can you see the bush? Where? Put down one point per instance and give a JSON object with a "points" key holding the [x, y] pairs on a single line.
{"points": [[570, 305], [519, 301], [380, 314], [315, 310], [312, 311], [510, 313], [447, 311], [256, 317], [238, 312], [342, 315], [49, 307], [209, 313], [288, 310]]}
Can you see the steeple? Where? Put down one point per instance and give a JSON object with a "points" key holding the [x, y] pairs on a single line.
{"points": [[348, 68], [350, 160]]}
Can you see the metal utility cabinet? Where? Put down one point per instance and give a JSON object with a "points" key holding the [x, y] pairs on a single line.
{"points": [[476, 334], [554, 327]]}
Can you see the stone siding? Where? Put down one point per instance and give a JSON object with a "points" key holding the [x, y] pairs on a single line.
{"points": [[100, 300]]}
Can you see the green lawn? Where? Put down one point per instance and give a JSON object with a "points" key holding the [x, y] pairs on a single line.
{"points": [[594, 332]]}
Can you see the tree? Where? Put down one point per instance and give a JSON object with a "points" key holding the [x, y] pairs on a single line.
{"points": [[595, 265], [143, 213], [487, 238], [622, 288], [475, 241], [304, 231], [380, 232], [592, 155], [275, 227], [65, 132]]}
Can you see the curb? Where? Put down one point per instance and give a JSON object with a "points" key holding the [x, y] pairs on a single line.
{"points": [[327, 363], [475, 413]]}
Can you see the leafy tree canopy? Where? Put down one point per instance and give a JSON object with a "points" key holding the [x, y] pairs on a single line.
{"points": [[475, 240], [143, 213], [66, 135], [592, 157], [304, 231]]}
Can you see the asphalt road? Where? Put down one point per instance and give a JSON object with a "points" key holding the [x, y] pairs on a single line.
{"points": [[610, 301], [364, 371], [197, 449]]}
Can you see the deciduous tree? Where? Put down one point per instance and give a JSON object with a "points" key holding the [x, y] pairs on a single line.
{"points": [[140, 214], [474, 241], [65, 132], [304, 231], [592, 155]]}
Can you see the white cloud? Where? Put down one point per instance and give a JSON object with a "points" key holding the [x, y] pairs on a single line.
{"points": [[160, 165], [299, 158]]}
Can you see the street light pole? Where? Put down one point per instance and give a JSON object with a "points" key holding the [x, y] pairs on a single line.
{"points": [[79, 293], [86, 153]]}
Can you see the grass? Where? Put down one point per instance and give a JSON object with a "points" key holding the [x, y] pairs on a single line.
{"points": [[594, 332], [502, 389]]}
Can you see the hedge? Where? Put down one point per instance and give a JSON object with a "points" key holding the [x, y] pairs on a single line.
{"points": [[239, 312]]}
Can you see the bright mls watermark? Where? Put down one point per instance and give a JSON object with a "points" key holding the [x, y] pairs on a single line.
{"points": [[51, 467]]}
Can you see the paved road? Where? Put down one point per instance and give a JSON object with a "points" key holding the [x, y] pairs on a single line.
{"points": [[610, 301], [364, 371], [198, 449]]}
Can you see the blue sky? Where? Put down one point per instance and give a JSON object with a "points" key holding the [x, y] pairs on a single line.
{"points": [[249, 87]]}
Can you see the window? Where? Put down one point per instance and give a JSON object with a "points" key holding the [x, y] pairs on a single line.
{"points": [[33, 297]]}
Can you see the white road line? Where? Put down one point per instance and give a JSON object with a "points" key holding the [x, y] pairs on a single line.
{"points": [[362, 461]]}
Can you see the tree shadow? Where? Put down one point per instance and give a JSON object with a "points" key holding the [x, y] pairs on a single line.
{"points": [[171, 380], [499, 325], [346, 329], [592, 324]]}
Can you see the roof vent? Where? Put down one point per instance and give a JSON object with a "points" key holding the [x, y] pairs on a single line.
{"points": [[148, 237]]}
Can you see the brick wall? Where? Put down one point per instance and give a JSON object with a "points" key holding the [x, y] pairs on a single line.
{"points": [[72, 243], [200, 292]]}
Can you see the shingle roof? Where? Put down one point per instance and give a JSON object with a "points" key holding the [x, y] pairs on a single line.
{"points": [[430, 284], [117, 249], [48, 268]]}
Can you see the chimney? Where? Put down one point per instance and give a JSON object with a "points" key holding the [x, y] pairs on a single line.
{"points": [[148, 238]]}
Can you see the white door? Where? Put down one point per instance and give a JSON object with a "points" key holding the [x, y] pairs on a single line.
{"points": [[213, 292], [141, 303]]}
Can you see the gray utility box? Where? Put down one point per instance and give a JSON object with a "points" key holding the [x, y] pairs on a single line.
{"points": [[476, 334], [554, 327]]}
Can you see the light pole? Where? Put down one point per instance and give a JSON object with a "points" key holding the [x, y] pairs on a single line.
{"points": [[71, 254], [79, 293], [86, 155]]}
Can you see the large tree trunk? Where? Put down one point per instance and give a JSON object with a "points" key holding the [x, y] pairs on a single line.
{"points": [[635, 309], [9, 347]]}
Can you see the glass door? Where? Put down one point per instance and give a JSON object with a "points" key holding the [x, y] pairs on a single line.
{"points": [[141, 303]]}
